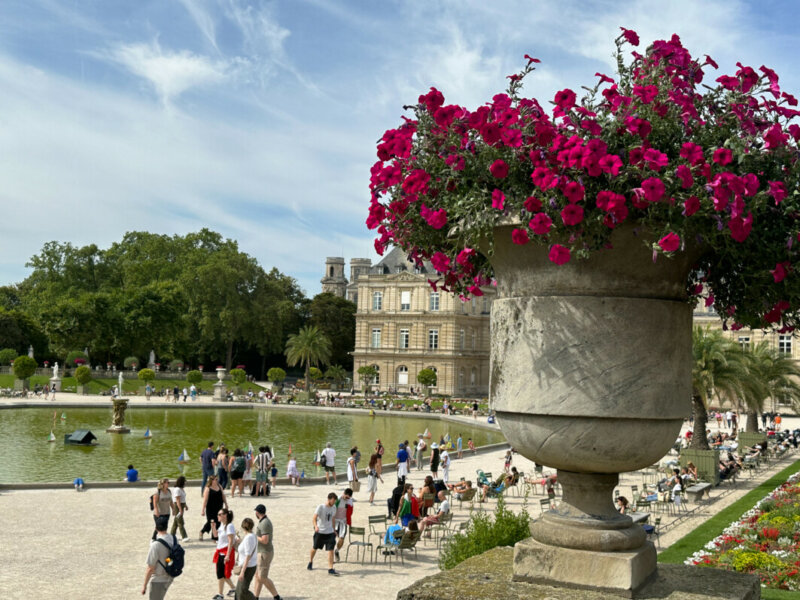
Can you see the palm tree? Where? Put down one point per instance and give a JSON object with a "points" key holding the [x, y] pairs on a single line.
{"points": [[308, 347], [771, 375], [718, 371], [336, 373]]}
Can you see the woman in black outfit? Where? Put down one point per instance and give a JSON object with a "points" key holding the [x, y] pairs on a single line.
{"points": [[213, 501], [435, 460]]}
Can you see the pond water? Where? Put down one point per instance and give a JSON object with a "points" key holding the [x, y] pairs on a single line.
{"points": [[24, 432]]}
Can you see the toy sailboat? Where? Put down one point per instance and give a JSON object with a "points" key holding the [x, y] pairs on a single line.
{"points": [[317, 458], [427, 434], [51, 437], [64, 416], [147, 434], [184, 457]]}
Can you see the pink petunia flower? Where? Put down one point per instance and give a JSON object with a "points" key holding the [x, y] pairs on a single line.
{"points": [[653, 189], [540, 224], [655, 159], [465, 256], [780, 270], [670, 242], [630, 36], [611, 164], [435, 218], [519, 236], [684, 173], [559, 254], [572, 214], [691, 205], [777, 189], [440, 262], [574, 192], [740, 227], [692, 152], [532, 204], [565, 99], [498, 199], [499, 169], [722, 156]]}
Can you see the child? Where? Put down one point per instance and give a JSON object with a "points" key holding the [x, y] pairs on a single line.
{"points": [[507, 464], [78, 483], [471, 445], [273, 473]]}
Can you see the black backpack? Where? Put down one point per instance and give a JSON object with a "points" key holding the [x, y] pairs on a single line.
{"points": [[174, 562]]}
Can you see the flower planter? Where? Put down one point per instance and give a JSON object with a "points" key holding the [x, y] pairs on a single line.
{"points": [[590, 374]]}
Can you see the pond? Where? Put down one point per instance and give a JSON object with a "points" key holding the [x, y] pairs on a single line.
{"points": [[24, 432]]}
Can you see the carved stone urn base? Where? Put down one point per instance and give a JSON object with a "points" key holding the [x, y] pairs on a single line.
{"points": [[618, 573], [122, 429]]}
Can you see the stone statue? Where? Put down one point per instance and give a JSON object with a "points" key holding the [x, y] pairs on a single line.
{"points": [[30, 351], [118, 420], [151, 363], [119, 385], [55, 370]]}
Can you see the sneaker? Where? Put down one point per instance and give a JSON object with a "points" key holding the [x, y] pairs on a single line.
{"points": [[218, 597], [309, 566], [336, 554], [231, 593], [332, 572]]}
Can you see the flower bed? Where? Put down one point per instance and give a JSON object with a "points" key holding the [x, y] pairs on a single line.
{"points": [[765, 541]]}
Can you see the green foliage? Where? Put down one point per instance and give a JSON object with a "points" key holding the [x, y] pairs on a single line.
{"points": [[427, 377], [336, 319], [146, 375], [484, 533], [238, 376], [336, 373], [368, 374], [748, 562], [315, 373], [7, 355], [276, 375], [176, 365], [74, 355], [194, 376], [130, 361], [83, 374], [24, 367], [18, 330], [308, 347]]}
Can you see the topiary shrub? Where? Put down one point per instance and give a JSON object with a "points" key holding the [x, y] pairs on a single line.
{"points": [[238, 376], [131, 362], [146, 375], [176, 365], [7, 355], [24, 367], [194, 377], [83, 374], [276, 374], [314, 373], [76, 355]]}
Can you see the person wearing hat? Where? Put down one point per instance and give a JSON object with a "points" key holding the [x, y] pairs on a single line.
{"points": [[379, 449], [418, 451], [402, 464], [265, 553], [435, 460]]}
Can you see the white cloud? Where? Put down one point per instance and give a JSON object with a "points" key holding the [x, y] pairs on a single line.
{"points": [[202, 17], [170, 73]]}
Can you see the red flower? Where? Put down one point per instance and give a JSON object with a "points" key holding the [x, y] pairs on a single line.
{"points": [[499, 169], [722, 156], [775, 138], [498, 199], [572, 214], [435, 218], [440, 262], [519, 236], [532, 204], [574, 192], [611, 164], [559, 254], [647, 93], [740, 228], [464, 257], [692, 152], [630, 36], [565, 99], [779, 272], [540, 224], [684, 173], [670, 242], [655, 159], [777, 189], [653, 189], [691, 205]]}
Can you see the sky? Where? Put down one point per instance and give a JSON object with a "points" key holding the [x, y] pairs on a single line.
{"points": [[258, 119]]}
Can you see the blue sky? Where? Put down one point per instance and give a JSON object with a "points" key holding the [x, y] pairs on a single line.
{"points": [[259, 119]]}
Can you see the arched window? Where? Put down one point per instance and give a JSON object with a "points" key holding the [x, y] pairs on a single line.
{"points": [[331, 272], [402, 375]]}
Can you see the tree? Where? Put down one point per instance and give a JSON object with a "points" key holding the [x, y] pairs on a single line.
{"points": [[315, 374], [146, 375], [336, 373], [18, 330], [76, 355], [368, 374], [238, 376], [427, 377], [308, 347], [276, 375], [7, 355], [770, 375], [718, 370], [194, 376], [84, 375], [24, 367], [336, 318], [131, 362]]}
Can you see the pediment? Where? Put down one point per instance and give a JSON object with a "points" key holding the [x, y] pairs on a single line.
{"points": [[404, 276]]}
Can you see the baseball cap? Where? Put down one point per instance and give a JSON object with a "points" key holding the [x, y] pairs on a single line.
{"points": [[377, 441], [261, 509]]}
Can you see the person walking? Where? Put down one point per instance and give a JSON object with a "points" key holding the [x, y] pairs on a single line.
{"points": [[225, 554], [343, 519], [265, 553], [373, 475], [161, 502], [435, 460], [330, 463], [261, 463], [213, 501], [179, 508], [419, 450], [444, 457], [155, 574], [291, 470], [324, 535], [222, 466], [352, 470], [460, 447], [207, 462], [402, 464], [237, 465], [247, 561]]}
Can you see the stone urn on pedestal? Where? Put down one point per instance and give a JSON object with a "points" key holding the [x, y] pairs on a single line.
{"points": [[219, 386], [590, 375], [118, 419]]}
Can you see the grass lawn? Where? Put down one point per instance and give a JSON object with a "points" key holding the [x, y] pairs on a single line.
{"points": [[130, 386]]}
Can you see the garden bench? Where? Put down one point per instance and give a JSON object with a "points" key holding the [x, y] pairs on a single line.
{"points": [[697, 490]]}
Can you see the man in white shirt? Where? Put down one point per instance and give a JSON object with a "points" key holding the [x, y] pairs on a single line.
{"points": [[330, 458], [156, 558], [324, 536], [418, 451], [444, 508], [444, 458]]}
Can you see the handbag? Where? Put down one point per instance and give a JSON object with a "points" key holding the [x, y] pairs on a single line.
{"points": [[355, 485], [237, 570]]}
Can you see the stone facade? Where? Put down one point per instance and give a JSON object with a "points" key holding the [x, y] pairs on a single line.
{"points": [[334, 281], [782, 342], [403, 326]]}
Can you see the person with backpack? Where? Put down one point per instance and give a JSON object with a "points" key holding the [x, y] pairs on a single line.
{"points": [[237, 466], [164, 561]]}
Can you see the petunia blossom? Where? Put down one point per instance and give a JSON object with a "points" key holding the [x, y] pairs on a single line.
{"points": [[440, 262], [722, 156], [692, 152], [559, 254], [670, 242], [532, 204], [499, 169], [519, 236], [684, 173], [465, 256], [653, 189], [777, 189], [540, 223], [498, 199], [630, 36], [565, 99], [691, 205], [780, 270], [572, 214]]}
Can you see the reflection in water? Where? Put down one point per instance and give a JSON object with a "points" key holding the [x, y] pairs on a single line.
{"points": [[25, 431]]}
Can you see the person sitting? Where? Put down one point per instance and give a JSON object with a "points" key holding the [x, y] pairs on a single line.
{"points": [[78, 483], [493, 489], [131, 475], [623, 506], [393, 503], [692, 470], [459, 488], [444, 508], [426, 488]]}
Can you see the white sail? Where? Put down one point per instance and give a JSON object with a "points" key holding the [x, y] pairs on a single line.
{"points": [[51, 437]]}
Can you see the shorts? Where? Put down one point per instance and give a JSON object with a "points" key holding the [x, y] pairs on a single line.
{"points": [[340, 527], [330, 469], [236, 475], [225, 570], [264, 561], [261, 476], [274, 471], [324, 540]]}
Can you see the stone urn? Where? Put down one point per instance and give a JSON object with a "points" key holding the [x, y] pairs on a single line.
{"points": [[591, 375]]}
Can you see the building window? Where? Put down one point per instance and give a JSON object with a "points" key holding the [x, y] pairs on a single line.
{"points": [[377, 378], [377, 300], [464, 307], [461, 339], [461, 378], [404, 336], [785, 344], [417, 271], [434, 301], [472, 331], [433, 339], [376, 338], [485, 309], [402, 375], [405, 300], [744, 342], [473, 376]]}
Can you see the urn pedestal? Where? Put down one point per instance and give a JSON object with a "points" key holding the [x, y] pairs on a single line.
{"points": [[591, 375], [118, 420]]}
